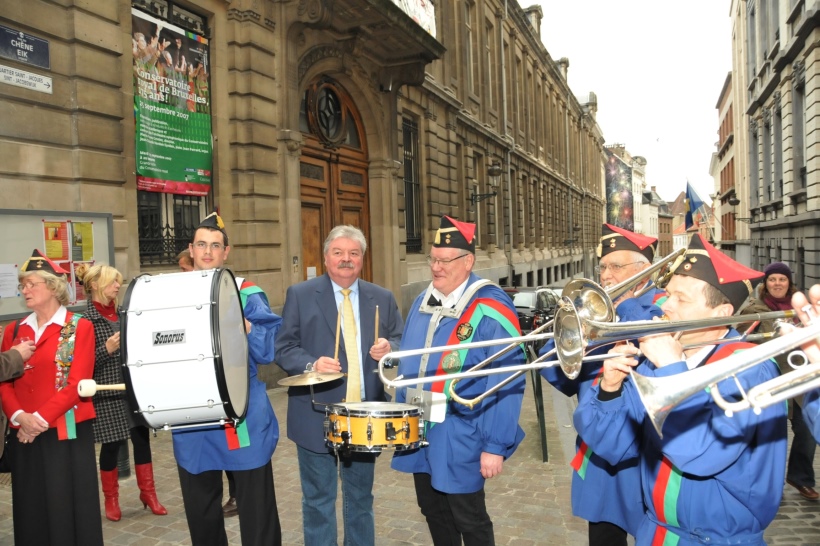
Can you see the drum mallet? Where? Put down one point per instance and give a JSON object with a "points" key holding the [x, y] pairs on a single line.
{"points": [[89, 387]]}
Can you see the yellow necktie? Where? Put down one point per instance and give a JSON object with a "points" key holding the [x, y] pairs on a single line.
{"points": [[354, 380]]}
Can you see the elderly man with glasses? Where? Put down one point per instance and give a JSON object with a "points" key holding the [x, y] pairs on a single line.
{"points": [[609, 496], [466, 445]]}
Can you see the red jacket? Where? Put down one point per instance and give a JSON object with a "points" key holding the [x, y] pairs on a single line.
{"points": [[35, 391]]}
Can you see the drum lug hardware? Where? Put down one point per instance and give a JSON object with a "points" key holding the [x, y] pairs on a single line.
{"points": [[390, 432], [405, 428], [369, 432], [210, 403]]}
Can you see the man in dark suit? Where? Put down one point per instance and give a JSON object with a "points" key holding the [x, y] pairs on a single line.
{"points": [[307, 342], [11, 367]]}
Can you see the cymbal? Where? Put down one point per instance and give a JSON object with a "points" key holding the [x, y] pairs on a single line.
{"points": [[309, 378]]}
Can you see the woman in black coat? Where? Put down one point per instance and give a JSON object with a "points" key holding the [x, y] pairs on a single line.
{"points": [[113, 424]]}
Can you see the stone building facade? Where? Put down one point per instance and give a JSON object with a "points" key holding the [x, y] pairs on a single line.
{"points": [[322, 112], [777, 176]]}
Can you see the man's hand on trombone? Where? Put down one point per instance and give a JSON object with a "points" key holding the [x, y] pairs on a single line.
{"points": [[617, 368]]}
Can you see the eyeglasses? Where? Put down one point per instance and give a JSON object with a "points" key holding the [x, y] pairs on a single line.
{"points": [[29, 285], [436, 261], [612, 267], [202, 245]]}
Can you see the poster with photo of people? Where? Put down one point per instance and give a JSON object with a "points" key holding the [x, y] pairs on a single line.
{"points": [[172, 107]]}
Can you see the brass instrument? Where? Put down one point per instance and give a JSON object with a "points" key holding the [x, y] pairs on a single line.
{"points": [[574, 335], [660, 395]]}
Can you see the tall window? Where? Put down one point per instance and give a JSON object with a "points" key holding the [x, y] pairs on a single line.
{"points": [[754, 162], [751, 38], [471, 33], [799, 124], [412, 186], [490, 52]]}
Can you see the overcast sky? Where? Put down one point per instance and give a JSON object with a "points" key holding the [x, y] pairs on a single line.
{"points": [[657, 68]]}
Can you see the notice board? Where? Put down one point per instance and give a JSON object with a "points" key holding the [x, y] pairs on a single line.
{"points": [[68, 238]]}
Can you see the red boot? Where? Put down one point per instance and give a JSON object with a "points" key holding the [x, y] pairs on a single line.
{"points": [[148, 495], [111, 487]]}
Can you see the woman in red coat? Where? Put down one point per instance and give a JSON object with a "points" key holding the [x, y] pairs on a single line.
{"points": [[51, 446]]}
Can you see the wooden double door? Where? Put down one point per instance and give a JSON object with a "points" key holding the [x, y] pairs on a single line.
{"points": [[334, 189]]}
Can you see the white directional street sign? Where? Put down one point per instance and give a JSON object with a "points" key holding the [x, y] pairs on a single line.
{"points": [[29, 80]]}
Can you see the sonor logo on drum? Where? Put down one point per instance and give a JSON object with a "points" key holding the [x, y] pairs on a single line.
{"points": [[169, 337]]}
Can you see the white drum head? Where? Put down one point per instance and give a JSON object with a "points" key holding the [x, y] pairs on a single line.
{"points": [[231, 344]]}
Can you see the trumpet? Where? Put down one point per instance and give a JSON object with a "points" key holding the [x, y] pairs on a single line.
{"points": [[660, 395]]}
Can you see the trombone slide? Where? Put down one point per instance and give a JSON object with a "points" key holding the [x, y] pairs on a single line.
{"points": [[660, 395]]}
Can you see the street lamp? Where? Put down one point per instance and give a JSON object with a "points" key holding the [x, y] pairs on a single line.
{"points": [[493, 171]]}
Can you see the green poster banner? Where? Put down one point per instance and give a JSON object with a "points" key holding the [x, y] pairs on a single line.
{"points": [[172, 107]]}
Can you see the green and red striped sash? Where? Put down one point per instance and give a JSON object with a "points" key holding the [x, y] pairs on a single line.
{"points": [[480, 308], [581, 460]]}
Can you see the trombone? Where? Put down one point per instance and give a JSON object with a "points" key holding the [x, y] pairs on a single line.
{"points": [[660, 395], [594, 303], [574, 335]]}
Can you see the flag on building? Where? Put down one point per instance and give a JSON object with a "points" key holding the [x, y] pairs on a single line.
{"points": [[693, 204]]}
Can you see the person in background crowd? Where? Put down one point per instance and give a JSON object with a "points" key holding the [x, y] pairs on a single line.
{"points": [[202, 453], [113, 424], [609, 496], [711, 479], [775, 294], [55, 496], [186, 263], [466, 445], [306, 342]]}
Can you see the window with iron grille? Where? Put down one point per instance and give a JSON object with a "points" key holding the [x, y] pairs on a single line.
{"points": [[412, 186], [166, 224]]}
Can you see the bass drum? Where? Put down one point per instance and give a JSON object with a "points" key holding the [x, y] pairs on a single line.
{"points": [[184, 349]]}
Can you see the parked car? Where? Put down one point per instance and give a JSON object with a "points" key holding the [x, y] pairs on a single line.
{"points": [[535, 306]]}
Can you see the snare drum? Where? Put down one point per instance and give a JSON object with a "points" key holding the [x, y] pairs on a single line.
{"points": [[374, 426], [184, 349]]}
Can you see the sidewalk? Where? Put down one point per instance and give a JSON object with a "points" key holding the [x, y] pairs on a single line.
{"points": [[529, 502]]}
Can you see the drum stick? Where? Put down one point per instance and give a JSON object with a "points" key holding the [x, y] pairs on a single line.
{"points": [[377, 326], [89, 387], [338, 329]]}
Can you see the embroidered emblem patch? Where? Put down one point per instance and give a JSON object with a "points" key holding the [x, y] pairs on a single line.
{"points": [[464, 331], [451, 363]]}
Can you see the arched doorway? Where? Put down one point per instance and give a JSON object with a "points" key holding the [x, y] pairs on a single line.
{"points": [[332, 170]]}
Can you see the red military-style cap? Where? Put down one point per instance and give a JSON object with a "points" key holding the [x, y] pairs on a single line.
{"points": [[703, 261], [454, 234], [615, 239], [39, 262]]}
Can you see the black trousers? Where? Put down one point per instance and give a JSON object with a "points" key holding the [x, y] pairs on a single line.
{"points": [[452, 518], [54, 489], [255, 501], [603, 533]]}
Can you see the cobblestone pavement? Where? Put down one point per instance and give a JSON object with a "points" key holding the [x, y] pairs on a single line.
{"points": [[529, 502]]}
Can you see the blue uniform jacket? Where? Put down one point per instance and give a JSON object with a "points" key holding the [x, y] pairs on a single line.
{"points": [[811, 412], [712, 479], [453, 457], [309, 331], [600, 491], [202, 449]]}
